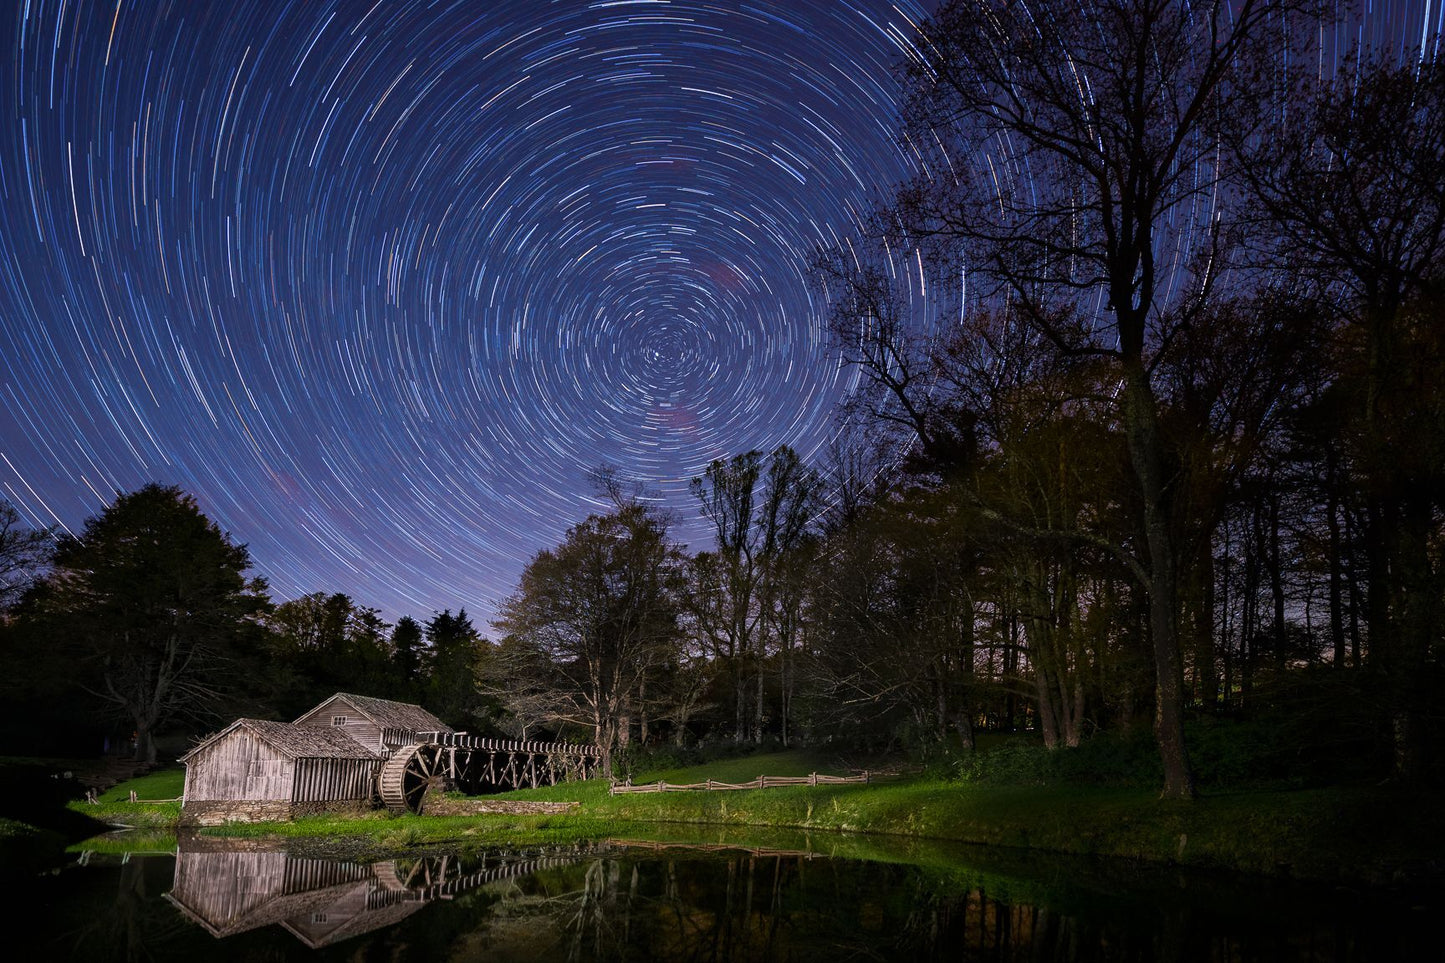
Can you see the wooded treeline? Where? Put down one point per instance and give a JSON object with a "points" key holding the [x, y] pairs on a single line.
{"points": [[1150, 434], [147, 622], [1151, 424]]}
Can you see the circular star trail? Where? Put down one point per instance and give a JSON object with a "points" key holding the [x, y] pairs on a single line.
{"points": [[381, 283]]}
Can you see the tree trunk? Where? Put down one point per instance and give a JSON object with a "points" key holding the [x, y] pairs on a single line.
{"points": [[1071, 699], [1416, 630], [785, 696], [1206, 674], [1352, 576], [740, 683], [1048, 724], [1276, 581], [145, 744], [1146, 454], [1224, 623], [963, 722], [1249, 609], [642, 718], [963, 705], [1010, 670], [761, 693], [1336, 549]]}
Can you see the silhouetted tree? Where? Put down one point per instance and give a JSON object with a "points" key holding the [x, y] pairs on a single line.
{"points": [[745, 599], [1348, 180], [152, 604], [23, 554], [1066, 146], [406, 649], [450, 689], [324, 643]]}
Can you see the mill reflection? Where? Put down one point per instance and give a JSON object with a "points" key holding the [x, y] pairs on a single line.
{"points": [[234, 886], [628, 900]]}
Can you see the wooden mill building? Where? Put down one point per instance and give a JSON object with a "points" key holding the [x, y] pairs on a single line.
{"points": [[328, 760]]}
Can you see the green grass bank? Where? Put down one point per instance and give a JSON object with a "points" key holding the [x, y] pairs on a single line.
{"points": [[1373, 835]]}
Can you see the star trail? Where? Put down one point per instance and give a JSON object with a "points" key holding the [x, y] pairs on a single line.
{"points": [[380, 283]]}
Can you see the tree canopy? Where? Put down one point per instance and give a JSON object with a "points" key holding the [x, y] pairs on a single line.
{"points": [[152, 605], [591, 623]]}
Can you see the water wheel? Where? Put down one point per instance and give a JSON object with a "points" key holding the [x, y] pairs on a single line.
{"points": [[404, 777], [388, 876]]}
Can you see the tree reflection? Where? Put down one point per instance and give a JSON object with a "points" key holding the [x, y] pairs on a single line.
{"points": [[248, 900]]}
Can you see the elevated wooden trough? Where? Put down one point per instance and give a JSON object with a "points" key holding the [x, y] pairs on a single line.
{"points": [[491, 763]]}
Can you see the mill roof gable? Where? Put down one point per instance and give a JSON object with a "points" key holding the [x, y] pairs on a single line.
{"points": [[385, 713], [292, 741]]}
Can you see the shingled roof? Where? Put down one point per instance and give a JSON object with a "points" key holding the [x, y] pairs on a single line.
{"points": [[388, 714], [293, 741]]}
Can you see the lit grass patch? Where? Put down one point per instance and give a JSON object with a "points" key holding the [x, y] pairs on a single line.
{"points": [[114, 805], [151, 815], [161, 784], [134, 841]]}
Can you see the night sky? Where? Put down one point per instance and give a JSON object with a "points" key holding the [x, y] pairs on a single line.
{"points": [[379, 283]]}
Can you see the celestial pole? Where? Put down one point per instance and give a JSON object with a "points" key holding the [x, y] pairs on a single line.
{"points": [[380, 283]]}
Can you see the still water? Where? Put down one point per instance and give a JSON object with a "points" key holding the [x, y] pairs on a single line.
{"points": [[213, 899]]}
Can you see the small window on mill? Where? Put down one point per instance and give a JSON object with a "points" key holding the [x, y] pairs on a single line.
{"points": [[338, 720]]}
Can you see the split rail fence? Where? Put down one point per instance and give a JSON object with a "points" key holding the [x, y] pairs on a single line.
{"points": [[762, 782]]}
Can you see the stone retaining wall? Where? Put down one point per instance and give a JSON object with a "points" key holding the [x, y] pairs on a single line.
{"points": [[217, 812], [473, 807]]}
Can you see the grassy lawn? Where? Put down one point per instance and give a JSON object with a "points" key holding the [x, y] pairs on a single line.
{"points": [[116, 808], [1329, 833], [161, 784]]}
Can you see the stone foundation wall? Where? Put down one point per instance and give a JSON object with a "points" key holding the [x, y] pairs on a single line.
{"points": [[217, 812], [336, 807], [441, 806]]}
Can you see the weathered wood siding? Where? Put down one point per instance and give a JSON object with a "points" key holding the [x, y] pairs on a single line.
{"points": [[318, 927], [320, 780], [230, 892], [357, 726], [239, 766], [225, 888]]}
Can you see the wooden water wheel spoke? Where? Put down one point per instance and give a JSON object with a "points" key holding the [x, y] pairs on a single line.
{"points": [[403, 779]]}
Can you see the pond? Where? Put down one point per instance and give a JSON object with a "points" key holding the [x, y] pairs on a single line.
{"points": [[217, 899]]}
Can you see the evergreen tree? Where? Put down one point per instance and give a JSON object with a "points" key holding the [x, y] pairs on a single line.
{"points": [[152, 605]]}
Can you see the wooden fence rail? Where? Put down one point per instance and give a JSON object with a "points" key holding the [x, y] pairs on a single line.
{"points": [[762, 782]]}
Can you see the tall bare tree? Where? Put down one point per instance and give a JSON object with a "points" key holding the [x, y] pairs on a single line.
{"points": [[1070, 163], [746, 598], [589, 623], [1348, 179]]}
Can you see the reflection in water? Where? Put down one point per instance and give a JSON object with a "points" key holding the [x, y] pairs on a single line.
{"points": [[230, 890], [238, 899]]}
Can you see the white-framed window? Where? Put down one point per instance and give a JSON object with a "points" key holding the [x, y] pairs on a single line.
{"points": [[319, 917], [338, 721]]}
